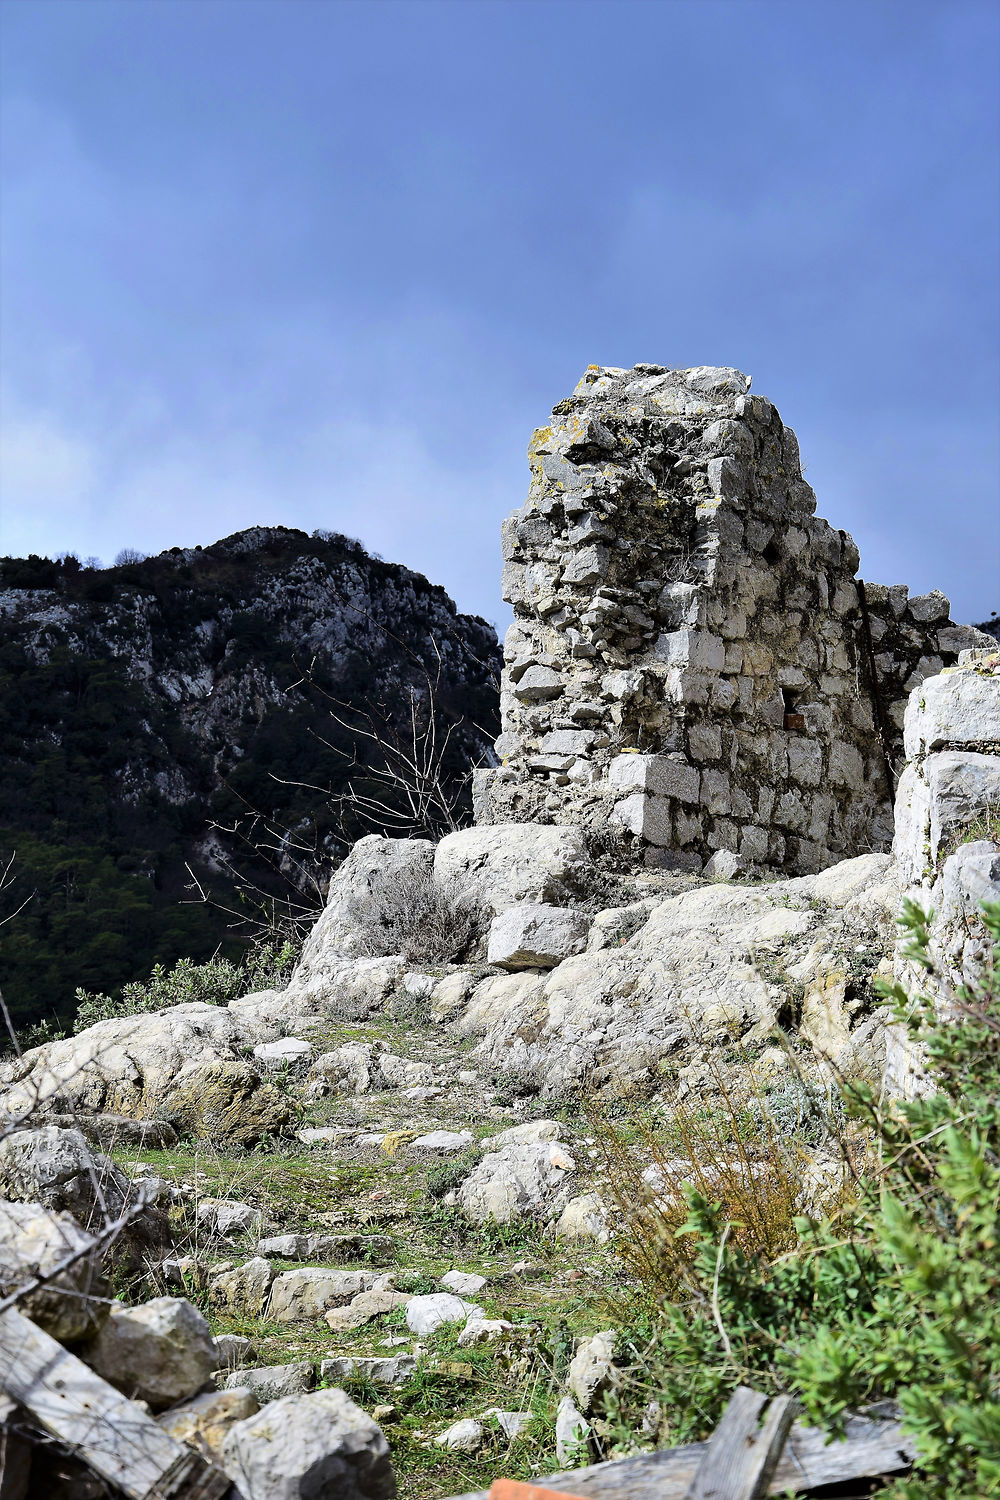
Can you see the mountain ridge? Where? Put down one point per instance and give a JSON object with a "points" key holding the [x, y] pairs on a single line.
{"points": [[146, 703]]}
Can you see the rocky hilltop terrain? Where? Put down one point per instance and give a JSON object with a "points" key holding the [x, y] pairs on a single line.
{"points": [[551, 1142], [385, 1219], [146, 704]]}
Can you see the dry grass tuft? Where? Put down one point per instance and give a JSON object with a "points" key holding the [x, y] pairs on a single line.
{"points": [[743, 1151]]}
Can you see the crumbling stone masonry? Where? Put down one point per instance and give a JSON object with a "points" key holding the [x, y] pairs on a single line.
{"points": [[692, 660]]}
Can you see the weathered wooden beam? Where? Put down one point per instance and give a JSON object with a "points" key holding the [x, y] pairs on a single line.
{"points": [[742, 1452], [870, 1448], [96, 1422]]}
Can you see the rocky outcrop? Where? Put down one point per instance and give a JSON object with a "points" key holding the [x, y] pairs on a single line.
{"points": [[372, 861], [34, 1242], [204, 1422], [499, 867], [184, 1065], [709, 968], [55, 1167], [160, 1353], [947, 843], [306, 1446], [692, 660], [520, 1180], [952, 775]]}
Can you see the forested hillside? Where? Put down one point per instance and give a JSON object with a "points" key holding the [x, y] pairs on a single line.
{"points": [[147, 707]]}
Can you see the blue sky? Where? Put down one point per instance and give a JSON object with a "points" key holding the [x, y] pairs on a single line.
{"points": [[327, 262]]}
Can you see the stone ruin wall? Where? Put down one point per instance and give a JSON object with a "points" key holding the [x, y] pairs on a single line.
{"points": [[688, 661]]}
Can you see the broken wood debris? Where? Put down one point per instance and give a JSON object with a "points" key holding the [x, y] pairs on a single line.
{"points": [[743, 1453], [109, 1433], [871, 1448]]}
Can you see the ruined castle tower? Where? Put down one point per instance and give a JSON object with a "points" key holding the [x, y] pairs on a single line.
{"points": [[692, 660]]}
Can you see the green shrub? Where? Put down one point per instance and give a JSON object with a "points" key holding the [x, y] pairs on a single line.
{"points": [[214, 983]]}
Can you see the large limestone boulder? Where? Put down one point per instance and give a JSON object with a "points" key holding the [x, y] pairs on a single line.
{"points": [[960, 949], [379, 1369], [535, 935], [184, 1065], [592, 1371], [348, 988], [288, 1053], [313, 1447], [33, 1241], [57, 1168], [205, 1422], [268, 1383], [328, 1247], [958, 708], [970, 879], [243, 1291], [227, 1218], [532, 1180], [161, 1352], [584, 1218], [371, 862], [425, 1315], [305, 1294], [330, 984], [363, 1308], [350, 1068], [496, 866], [952, 776], [465, 1436], [949, 791], [118, 1132]]}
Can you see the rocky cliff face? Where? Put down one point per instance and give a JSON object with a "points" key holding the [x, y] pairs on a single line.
{"points": [[144, 703]]}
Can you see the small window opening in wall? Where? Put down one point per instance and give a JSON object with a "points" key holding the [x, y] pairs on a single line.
{"points": [[794, 718]]}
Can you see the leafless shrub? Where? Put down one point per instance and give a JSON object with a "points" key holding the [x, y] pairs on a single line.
{"points": [[680, 567], [410, 914], [410, 766], [409, 770]]}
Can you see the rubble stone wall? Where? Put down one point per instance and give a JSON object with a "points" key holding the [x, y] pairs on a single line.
{"points": [[688, 660]]}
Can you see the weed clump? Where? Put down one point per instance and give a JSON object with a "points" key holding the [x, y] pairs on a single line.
{"points": [[411, 914]]}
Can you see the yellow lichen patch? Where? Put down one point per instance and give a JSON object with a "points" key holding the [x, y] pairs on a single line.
{"points": [[396, 1138], [541, 439]]}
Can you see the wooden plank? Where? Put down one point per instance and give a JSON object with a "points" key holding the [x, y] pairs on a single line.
{"points": [[870, 1448], [109, 1433], [743, 1453]]}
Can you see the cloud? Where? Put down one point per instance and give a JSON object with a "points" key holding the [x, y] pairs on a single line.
{"points": [[152, 488], [48, 481]]}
